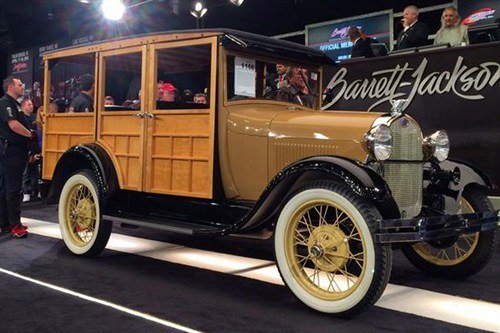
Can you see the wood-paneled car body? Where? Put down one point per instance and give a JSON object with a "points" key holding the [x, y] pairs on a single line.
{"points": [[221, 132]]}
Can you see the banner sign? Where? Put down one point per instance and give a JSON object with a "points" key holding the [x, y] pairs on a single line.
{"points": [[456, 89], [331, 37], [44, 49], [21, 65]]}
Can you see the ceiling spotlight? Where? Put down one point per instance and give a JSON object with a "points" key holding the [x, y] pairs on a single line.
{"points": [[199, 10], [236, 2], [113, 9], [84, 1]]}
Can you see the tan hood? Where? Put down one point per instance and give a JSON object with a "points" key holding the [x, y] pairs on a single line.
{"points": [[299, 134]]}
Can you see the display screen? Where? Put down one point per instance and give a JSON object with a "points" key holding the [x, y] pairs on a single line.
{"points": [[479, 12], [331, 37]]}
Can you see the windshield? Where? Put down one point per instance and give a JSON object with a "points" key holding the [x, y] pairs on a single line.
{"points": [[249, 77]]}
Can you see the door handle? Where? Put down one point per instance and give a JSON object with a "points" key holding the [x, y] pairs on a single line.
{"points": [[139, 115], [149, 115]]}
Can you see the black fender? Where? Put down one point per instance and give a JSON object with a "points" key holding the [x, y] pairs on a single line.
{"points": [[362, 180], [451, 192], [89, 156]]}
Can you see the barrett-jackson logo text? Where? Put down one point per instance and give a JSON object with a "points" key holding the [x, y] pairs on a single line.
{"points": [[385, 85]]}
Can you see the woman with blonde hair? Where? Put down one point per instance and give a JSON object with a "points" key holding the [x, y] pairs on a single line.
{"points": [[452, 31]]}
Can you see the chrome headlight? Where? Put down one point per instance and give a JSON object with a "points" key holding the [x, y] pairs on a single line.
{"points": [[437, 145], [379, 142]]}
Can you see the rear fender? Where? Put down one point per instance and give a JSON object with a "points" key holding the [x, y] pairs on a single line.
{"points": [[90, 156]]}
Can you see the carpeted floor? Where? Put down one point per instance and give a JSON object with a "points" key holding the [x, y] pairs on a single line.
{"points": [[197, 298]]}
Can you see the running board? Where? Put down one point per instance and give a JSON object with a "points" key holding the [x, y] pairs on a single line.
{"points": [[167, 225]]}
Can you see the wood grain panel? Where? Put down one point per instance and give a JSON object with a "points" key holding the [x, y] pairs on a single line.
{"points": [[63, 131]]}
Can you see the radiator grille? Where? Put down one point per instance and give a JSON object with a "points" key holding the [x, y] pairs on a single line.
{"points": [[404, 171], [405, 182]]}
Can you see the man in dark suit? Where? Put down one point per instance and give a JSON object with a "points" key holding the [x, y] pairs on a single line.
{"points": [[360, 47], [415, 33]]}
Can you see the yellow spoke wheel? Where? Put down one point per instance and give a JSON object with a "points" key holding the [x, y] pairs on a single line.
{"points": [[80, 214], [82, 229], [321, 239], [461, 256], [453, 254], [325, 251]]}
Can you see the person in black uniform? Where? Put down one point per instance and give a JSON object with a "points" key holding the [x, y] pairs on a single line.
{"points": [[415, 33], [15, 138], [84, 102], [360, 47]]}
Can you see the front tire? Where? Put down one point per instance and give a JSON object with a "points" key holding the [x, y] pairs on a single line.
{"points": [[463, 256], [326, 252], [82, 229]]}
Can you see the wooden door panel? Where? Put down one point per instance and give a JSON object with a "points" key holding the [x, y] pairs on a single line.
{"points": [[62, 134], [123, 135], [180, 161]]}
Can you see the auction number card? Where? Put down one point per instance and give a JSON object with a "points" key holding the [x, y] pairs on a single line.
{"points": [[244, 77]]}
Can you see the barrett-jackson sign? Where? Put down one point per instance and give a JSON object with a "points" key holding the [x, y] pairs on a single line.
{"points": [[454, 89]]}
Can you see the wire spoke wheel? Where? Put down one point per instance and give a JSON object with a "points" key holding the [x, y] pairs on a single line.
{"points": [[443, 254], [459, 256], [82, 229], [81, 214], [325, 250]]}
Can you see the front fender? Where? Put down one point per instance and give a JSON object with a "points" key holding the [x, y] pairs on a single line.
{"points": [[362, 180]]}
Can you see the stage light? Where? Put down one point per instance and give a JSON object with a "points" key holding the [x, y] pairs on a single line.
{"points": [[236, 2], [199, 10], [113, 9]]}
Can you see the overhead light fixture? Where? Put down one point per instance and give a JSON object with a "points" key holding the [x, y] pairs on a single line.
{"points": [[236, 2], [84, 1], [199, 10], [113, 9]]}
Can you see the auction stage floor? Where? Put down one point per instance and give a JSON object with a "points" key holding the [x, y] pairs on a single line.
{"points": [[147, 281]]}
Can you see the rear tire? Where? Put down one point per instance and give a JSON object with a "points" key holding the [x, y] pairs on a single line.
{"points": [[326, 252], [464, 257], [80, 204]]}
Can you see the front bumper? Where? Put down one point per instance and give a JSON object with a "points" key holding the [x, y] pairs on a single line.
{"points": [[435, 227]]}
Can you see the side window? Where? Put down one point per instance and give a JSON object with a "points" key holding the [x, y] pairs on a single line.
{"points": [[183, 77], [249, 78], [66, 78], [122, 82]]}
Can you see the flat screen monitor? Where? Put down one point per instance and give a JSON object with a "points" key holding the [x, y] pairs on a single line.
{"points": [[379, 49], [331, 37]]}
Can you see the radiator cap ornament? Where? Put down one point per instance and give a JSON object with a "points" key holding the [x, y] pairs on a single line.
{"points": [[398, 107]]}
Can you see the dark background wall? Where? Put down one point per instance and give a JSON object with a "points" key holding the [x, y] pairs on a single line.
{"points": [[32, 23]]}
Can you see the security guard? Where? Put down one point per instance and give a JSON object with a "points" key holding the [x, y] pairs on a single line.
{"points": [[14, 146]]}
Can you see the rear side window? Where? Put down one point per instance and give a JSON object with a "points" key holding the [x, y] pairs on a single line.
{"points": [[183, 77], [122, 82], [65, 79]]}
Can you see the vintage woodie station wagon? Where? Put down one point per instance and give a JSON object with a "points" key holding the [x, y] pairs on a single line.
{"points": [[252, 154]]}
